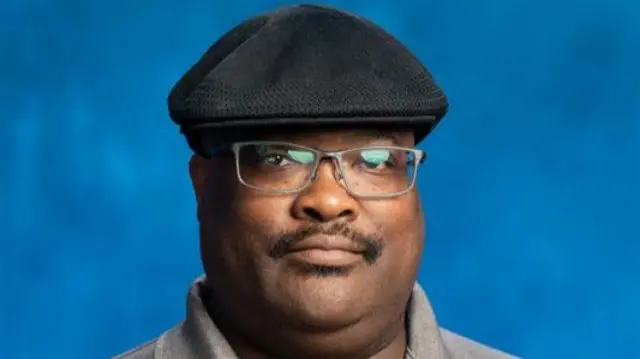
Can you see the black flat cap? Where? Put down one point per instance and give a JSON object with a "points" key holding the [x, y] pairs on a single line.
{"points": [[306, 65]]}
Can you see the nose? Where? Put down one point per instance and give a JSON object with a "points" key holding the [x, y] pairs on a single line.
{"points": [[325, 199]]}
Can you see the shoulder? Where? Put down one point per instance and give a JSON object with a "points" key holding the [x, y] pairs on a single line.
{"points": [[144, 351], [465, 348]]}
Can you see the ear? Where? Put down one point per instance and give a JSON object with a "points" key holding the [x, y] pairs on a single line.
{"points": [[199, 169]]}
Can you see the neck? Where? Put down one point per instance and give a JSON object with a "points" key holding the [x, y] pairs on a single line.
{"points": [[252, 336]]}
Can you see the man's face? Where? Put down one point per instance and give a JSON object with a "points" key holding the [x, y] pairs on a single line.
{"points": [[249, 240]]}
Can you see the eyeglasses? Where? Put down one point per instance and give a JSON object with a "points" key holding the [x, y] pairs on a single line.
{"points": [[371, 172]]}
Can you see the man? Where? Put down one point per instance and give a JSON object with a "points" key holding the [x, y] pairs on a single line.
{"points": [[304, 123]]}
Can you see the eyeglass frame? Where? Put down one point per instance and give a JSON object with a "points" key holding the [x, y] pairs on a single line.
{"points": [[336, 157]]}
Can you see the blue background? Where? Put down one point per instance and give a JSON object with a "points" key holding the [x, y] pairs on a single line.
{"points": [[531, 189]]}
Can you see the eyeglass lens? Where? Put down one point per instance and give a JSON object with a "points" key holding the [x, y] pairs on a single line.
{"points": [[287, 167]]}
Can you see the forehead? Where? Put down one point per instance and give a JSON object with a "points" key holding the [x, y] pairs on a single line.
{"points": [[326, 138]]}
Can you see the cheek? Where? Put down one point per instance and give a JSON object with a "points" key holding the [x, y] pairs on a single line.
{"points": [[238, 234], [262, 214], [400, 218], [235, 206], [403, 228], [248, 223]]}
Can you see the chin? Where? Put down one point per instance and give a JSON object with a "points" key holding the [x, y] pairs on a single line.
{"points": [[325, 302], [318, 318]]}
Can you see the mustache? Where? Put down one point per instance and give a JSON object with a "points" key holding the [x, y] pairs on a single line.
{"points": [[372, 244]]}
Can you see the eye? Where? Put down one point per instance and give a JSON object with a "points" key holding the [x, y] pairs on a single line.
{"points": [[281, 157], [274, 160], [376, 159]]}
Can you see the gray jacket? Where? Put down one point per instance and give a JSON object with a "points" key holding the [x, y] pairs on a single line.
{"points": [[199, 338]]}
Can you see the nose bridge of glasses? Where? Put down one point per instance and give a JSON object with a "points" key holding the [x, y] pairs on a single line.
{"points": [[334, 159]]}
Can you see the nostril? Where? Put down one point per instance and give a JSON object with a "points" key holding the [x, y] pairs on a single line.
{"points": [[319, 216], [313, 214]]}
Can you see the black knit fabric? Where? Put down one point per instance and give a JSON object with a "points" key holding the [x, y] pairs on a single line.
{"points": [[307, 65]]}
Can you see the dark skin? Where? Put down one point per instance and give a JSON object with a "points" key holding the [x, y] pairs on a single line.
{"points": [[264, 307]]}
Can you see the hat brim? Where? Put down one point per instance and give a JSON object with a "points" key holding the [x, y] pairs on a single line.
{"points": [[422, 125]]}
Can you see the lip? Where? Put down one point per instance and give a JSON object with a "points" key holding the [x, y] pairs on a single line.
{"points": [[327, 251]]}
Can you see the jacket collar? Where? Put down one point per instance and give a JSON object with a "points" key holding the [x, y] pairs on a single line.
{"points": [[198, 337]]}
